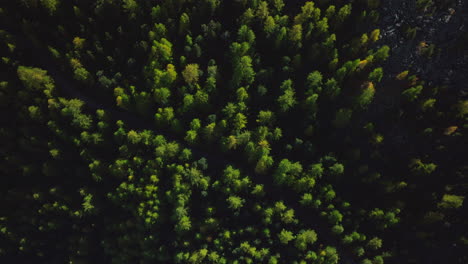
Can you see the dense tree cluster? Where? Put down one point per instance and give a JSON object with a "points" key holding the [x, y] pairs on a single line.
{"points": [[214, 131]]}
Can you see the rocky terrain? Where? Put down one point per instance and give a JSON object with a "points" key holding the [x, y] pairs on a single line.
{"points": [[443, 25]]}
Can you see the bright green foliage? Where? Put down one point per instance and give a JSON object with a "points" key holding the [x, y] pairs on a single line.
{"points": [[337, 229], [35, 78], [190, 73], [164, 115], [239, 122], [317, 170], [335, 217], [287, 172], [307, 199], [235, 202], [162, 95], [314, 82], [381, 54], [164, 78], [81, 74], [366, 95], [462, 108], [359, 251], [184, 23], [450, 201], [308, 11], [50, 5], [242, 94], [304, 239], [285, 236], [337, 169], [191, 136], [245, 34], [269, 25], [411, 94], [428, 104], [377, 260], [263, 164], [375, 243], [162, 51], [322, 26], [422, 169], [183, 225], [198, 256], [331, 88], [243, 72], [287, 100], [312, 104], [287, 217], [384, 219], [72, 108], [376, 75], [295, 35], [343, 13], [266, 118]]}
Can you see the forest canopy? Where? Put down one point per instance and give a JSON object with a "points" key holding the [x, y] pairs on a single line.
{"points": [[210, 131]]}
